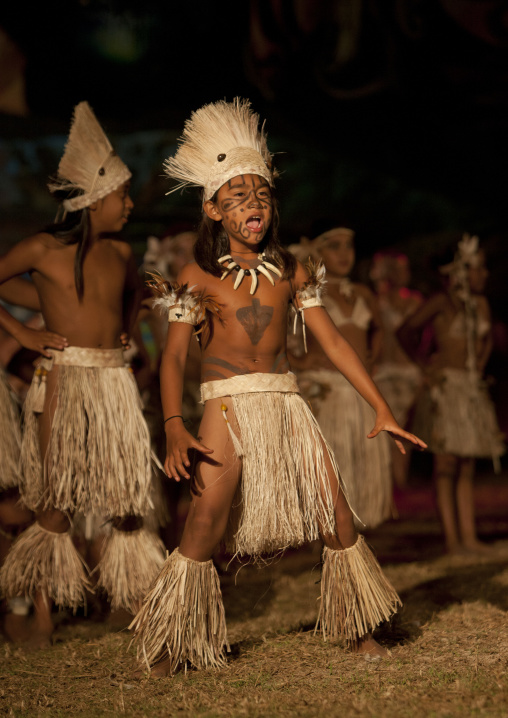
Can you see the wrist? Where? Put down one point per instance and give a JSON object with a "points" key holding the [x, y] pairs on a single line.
{"points": [[175, 418]]}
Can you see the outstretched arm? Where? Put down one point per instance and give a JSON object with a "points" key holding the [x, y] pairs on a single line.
{"points": [[347, 361], [22, 258]]}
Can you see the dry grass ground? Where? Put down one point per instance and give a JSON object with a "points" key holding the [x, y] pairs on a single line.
{"points": [[449, 653]]}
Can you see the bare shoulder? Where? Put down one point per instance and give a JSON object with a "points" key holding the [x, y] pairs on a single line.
{"points": [[192, 274], [119, 245]]}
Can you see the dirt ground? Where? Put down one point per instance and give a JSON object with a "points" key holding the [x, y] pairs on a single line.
{"points": [[448, 644]]}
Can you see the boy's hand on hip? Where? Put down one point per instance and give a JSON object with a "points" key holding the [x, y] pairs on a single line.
{"points": [[41, 340]]}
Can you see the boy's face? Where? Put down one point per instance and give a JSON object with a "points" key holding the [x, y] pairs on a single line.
{"points": [[244, 206], [112, 212]]}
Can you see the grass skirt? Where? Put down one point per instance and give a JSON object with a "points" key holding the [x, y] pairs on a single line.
{"points": [[345, 419], [456, 416], [99, 455], [10, 437], [284, 496]]}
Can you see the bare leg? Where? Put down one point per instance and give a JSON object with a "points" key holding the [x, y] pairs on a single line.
{"points": [[400, 466], [51, 520], [445, 471], [345, 537], [466, 510], [212, 492], [42, 627]]}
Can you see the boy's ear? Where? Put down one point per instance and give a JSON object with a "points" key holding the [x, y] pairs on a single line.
{"points": [[212, 211]]}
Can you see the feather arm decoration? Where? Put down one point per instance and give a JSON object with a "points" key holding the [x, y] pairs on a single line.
{"points": [[203, 306]]}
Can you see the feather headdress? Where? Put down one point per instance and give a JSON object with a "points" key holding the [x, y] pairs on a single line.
{"points": [[89, 165], [220, 141]]}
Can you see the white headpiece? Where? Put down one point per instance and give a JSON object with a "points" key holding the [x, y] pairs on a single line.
{"points": [[89, 162], [220, 141]]}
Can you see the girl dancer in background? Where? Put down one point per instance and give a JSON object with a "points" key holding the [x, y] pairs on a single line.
{"points": [[344, 417], [397, 377], [265, 478], [455, 413], [85, 446]]}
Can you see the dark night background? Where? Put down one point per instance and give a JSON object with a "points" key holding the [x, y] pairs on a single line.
{"points": [[390, 115]]}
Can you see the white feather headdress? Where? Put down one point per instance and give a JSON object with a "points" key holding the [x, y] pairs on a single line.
{"points": [[89, 162], [220, 141]]}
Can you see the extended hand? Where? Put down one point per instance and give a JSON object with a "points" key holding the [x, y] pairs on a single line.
{"points": [[179, 441], [390, 425], [40, 340]]}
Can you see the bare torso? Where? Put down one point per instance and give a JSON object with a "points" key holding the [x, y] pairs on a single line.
{"points": [[97, 320], [252, 335], [450, 334], [395, 307]]}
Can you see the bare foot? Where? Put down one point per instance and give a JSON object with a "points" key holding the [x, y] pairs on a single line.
{"points": [[368, 646], [457, 550], [159, 670], [479, 547], [16, 628], [37, 641]]}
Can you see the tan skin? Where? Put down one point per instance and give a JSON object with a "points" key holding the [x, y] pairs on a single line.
{"points": [[251, 339], [102, 319], [453, 476], [338, 256]]}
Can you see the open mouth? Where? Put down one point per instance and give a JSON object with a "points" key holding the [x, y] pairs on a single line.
{"points": [[255, 223]]}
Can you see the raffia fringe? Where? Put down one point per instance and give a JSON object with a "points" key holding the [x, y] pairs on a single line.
{"points": [[457, 416], [182, 617], [43, 561], [355, 594], [284, 497], [10, 437], [345, 419], [130, 562], [99, 457]]}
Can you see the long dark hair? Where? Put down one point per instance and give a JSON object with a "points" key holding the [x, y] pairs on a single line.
{"points": [[74, 228], [212, 243]]}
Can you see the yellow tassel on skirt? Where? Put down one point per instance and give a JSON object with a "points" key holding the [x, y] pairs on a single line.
{"points": [[355, 594], [99, 455], [10, 437], [345, 419], [130, 562], [182, 617], [41, 560], [284, 497]]}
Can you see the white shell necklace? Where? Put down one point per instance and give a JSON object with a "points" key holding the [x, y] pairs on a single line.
{"points": [[264, 268]]}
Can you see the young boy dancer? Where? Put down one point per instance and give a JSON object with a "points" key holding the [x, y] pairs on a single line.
{"points": [[85, 446], [265, 477]]}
